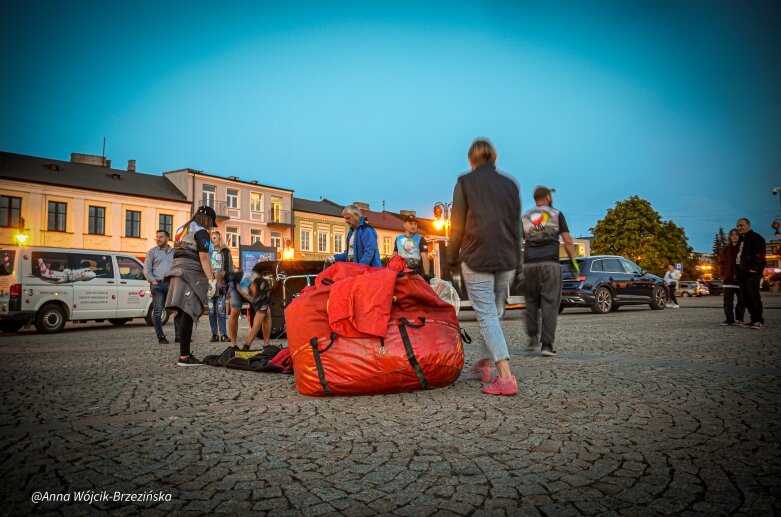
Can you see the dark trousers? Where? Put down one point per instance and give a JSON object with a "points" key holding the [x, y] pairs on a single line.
{"points": [[185, 332], [737, 312], [749, 291], [543, 297], [159, 293], [672, 287]]}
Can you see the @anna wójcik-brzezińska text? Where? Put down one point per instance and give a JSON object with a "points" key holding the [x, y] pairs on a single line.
{"points": [[101, 496]]}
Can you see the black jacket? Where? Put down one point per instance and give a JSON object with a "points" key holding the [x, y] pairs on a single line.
{"points": [[485, 221], [752, 256]]}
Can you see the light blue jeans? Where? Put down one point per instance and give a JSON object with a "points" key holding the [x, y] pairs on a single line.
{"points": [[488, 294], [217, 315]]}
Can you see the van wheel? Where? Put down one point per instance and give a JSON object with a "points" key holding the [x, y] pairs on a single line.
{"points": [[163, 317], [11, 326], [118, 321], [50, 319]]}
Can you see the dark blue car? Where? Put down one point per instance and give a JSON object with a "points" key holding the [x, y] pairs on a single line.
{"points": [[606, 282]]}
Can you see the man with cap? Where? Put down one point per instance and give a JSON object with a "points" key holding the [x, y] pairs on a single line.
{"points": [[542, 276], [412, 247]]}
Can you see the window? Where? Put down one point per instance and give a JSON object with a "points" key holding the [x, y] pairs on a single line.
{"points": [[276, 209], [232, 237], [98, 264], [57, 216], [209, 194], [338, 243], [306, 239], [322, 241], [233, 198], [10, 211], [97, 220], [166, 222], [612, 265], [630, 267], [387, 245], [596, 266], [276, 240], [130, 268], [132, 223], [256, 202], [255, 235], [50, 266]]}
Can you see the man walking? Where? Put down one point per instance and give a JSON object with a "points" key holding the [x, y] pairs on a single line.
{"points": [[361, 240], [156, 268], [750, 264], [542, 226], [412, 247]]}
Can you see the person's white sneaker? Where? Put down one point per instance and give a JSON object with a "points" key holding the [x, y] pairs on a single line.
{"points": [[676, 306]]}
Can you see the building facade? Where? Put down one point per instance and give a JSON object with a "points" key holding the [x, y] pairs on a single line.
{"points": [[320, 230], [247, 211], [85, 204]]}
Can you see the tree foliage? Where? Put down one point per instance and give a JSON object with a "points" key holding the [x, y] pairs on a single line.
{"points": [[719, 243], [635, 230]]}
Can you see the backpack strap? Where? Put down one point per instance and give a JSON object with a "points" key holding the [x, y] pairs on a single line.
{"points": [[413, 361], [319, 362]]}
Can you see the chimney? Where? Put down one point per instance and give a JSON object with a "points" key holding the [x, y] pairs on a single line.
{"points": [[361, 205], [131, 166], [90, 159]]}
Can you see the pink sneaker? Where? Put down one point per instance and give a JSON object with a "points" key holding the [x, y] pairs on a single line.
{"points": [[483, 368], [502, 386]]}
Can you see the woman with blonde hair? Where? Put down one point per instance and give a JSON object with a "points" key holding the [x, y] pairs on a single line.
{"points": [[192, 281]]}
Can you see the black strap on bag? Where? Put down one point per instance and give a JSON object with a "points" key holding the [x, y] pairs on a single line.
{"points": [[465, 337], [326, 281], [413, 361], [319, 363]]}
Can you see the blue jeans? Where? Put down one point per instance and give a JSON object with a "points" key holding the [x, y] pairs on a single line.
{"points": [[159, 292], [217, 315], [488, 294]]}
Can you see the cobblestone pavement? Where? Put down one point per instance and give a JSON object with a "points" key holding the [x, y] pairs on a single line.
{"points": [[643, 413]]}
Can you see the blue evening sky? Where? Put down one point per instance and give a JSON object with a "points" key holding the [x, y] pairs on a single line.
{"points": [[677, 102]]}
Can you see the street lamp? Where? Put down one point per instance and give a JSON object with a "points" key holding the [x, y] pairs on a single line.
{"points": [[442, 216], [22, 233]]}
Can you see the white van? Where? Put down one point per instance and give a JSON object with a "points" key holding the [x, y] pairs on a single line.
{"points": [[49, 286]]}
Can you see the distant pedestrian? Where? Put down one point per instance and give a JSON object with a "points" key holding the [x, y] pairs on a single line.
{"points": [[542, 227], [192, 279], [672, 277], [412, 247], [750, 262], [728, 269], [486, 241], [222, 264], [157, 266], [361, 240]]}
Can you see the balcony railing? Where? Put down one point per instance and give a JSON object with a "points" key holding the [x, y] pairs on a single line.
{"points": [[280, 217], [220, 207]]}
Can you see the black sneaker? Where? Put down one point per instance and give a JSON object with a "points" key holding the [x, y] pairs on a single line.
{"points": [[176, 340], [548, 351], [190, 361], [224, 338], [214, 338], [162, 340]]}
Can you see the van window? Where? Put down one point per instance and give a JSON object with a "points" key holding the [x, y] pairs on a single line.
{"points": [[49, 264], [98, 264], [7, 262], [130, 268]]}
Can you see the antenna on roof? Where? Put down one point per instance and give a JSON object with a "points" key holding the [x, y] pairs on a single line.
{"points": [[104, 149], [383, 205]]}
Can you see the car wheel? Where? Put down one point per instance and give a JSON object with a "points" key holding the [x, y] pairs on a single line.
{"points": [[11, 326], [163, 317], [603, 301], [685, 294], [659, 300], [119, 321], [50, 319]]}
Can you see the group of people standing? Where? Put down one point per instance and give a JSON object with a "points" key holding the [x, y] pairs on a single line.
{"points": [[742, 263]]}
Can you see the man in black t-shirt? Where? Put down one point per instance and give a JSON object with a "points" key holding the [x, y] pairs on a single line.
{"points": [[542, 226]]}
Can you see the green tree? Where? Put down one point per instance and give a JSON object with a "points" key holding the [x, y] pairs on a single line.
{"points": [[635, 230], [719, 243]]}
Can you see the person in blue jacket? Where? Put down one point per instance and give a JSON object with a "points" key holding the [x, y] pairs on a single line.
{"points": [[361, 240]]}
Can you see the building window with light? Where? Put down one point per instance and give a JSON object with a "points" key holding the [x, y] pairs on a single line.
{"points": [[338, 243], [387, 245], [96, 224], [256, 202], [233, 198], [166, 222], [132, 223], [255, 236], [56, 219], [276, 240], [10, 211], [232, 237]]}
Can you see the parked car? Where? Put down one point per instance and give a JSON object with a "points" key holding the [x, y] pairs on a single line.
{"points": [[704, 290], [716, 287], [688, 288], [606, 282], [50, 286]]}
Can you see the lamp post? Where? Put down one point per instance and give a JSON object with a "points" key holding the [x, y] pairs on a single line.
{"points": [[22, 233], [442, 217]]}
